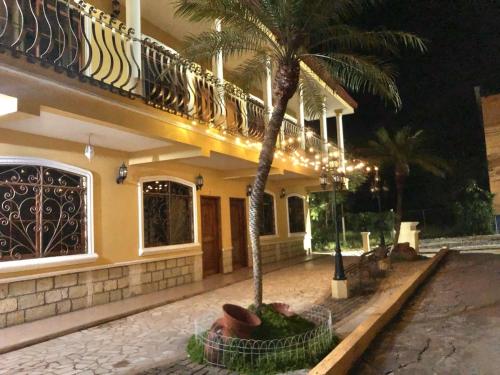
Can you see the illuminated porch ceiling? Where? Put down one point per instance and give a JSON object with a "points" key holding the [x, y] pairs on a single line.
{"points": [[59, 126]]}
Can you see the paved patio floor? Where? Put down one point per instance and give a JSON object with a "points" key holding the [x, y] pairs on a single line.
{"points": [[452, 326], [159, 335]]}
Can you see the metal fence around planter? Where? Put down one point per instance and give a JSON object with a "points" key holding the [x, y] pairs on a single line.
{"points": [[235, 353]]}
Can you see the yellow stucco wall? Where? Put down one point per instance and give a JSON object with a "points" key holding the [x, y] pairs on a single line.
{"points": [[116, 217], [491, 119]]}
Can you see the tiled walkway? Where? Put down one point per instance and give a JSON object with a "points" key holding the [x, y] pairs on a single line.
{"points": [[159, 336]]}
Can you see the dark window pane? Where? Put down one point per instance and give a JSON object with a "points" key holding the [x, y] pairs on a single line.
{"points": [[156, 220], [267, 226], [168, 213], [296, 217], [181, 217]]}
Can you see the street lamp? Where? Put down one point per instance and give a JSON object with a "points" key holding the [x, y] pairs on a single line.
{"points": [[335, 176], [376, 190]]}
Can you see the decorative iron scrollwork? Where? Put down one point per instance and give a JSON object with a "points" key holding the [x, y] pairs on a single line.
{"points": [[42, 212]]}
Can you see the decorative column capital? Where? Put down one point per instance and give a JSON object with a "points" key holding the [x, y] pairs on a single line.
{"points": [[339, 112]]}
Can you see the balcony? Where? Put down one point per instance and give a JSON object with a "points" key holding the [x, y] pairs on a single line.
{"points": [[84, 43]]}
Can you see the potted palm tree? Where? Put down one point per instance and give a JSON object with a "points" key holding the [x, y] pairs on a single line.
{"points": [[284, 34]]}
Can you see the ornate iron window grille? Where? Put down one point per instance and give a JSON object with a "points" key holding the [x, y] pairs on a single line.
{"points": [[168, 213], [42, 212]]}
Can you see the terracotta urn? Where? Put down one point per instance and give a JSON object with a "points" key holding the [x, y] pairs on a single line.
{"points": [[240, 321]]}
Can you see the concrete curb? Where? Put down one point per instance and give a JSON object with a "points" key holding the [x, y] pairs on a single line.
{"points": [[342, 358]]}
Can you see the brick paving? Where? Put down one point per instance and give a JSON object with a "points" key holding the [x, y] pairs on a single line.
{"points": [[452, 326], [158, 336]]}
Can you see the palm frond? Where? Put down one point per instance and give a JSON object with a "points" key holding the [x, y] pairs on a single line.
{"points": [[313, 94], [229, 42], [348, 38], [363, 74], [403, 148], [251, 71]]}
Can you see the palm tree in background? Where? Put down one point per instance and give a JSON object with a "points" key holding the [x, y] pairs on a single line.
{"points": [[284, 33], [400, 150]]}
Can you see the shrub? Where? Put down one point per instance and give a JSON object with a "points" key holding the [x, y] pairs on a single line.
{"points": [[473, 211]]}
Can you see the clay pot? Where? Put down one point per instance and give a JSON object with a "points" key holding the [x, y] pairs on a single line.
{"points": [[216, 341], [283, 309], [240, 321]]}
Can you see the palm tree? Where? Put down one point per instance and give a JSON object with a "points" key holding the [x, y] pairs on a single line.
{"points": [[404, 148], [285, 33]]}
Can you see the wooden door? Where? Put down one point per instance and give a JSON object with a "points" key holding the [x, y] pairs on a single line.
{"points": [[239, 232], [210, 235]]}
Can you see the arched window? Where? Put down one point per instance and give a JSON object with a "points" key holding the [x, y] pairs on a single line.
{"points": [[45, 210], [268, 222], [168, 213], [296, 214]]}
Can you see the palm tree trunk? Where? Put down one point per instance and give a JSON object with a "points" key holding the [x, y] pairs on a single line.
{"points": [[285, 85], [400, 182]]}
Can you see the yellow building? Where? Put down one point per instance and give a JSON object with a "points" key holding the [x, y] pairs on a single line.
{"points": [[82, 94], [491, 121]]}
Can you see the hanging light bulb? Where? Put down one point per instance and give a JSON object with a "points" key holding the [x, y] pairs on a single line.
{"points": [[89, 150]]}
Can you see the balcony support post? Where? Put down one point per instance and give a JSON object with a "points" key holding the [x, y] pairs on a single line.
{"points": [[133, 20], [340, 138], [302, 120], [268, 90], [324, 129], [218, 69]]}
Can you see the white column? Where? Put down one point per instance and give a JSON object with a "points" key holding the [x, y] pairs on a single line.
{"points": [[308, 236], [302, 120], [268, 89], [323, 125], [340, 137], [133, 20], [218, 70]]}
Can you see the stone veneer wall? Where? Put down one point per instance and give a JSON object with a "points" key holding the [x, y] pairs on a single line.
{"points": [[30, 300], [279, 251]]}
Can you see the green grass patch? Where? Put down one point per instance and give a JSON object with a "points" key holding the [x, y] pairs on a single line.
{"points": [[277, 326], [274, 326]]}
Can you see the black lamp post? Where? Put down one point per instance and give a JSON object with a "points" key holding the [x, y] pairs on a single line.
{"points": [[376, 190], [323, 179]]}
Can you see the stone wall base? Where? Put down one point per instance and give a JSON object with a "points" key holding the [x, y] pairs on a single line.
{"points": [[281, 251], [30, 300]]}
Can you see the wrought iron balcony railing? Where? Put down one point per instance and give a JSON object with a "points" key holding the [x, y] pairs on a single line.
{"points": [[76, 38]]}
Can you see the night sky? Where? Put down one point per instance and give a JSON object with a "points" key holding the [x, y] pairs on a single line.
{"points": [[437, 89]]}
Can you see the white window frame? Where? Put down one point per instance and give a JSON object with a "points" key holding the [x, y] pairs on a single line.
{"points": [[143, 251], [90, 256], [298, 234], [276, 231]]}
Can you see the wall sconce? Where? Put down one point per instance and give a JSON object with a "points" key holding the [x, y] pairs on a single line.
{"points": [[122, 174], [282, 193], [249, 190], [199, 182]]}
